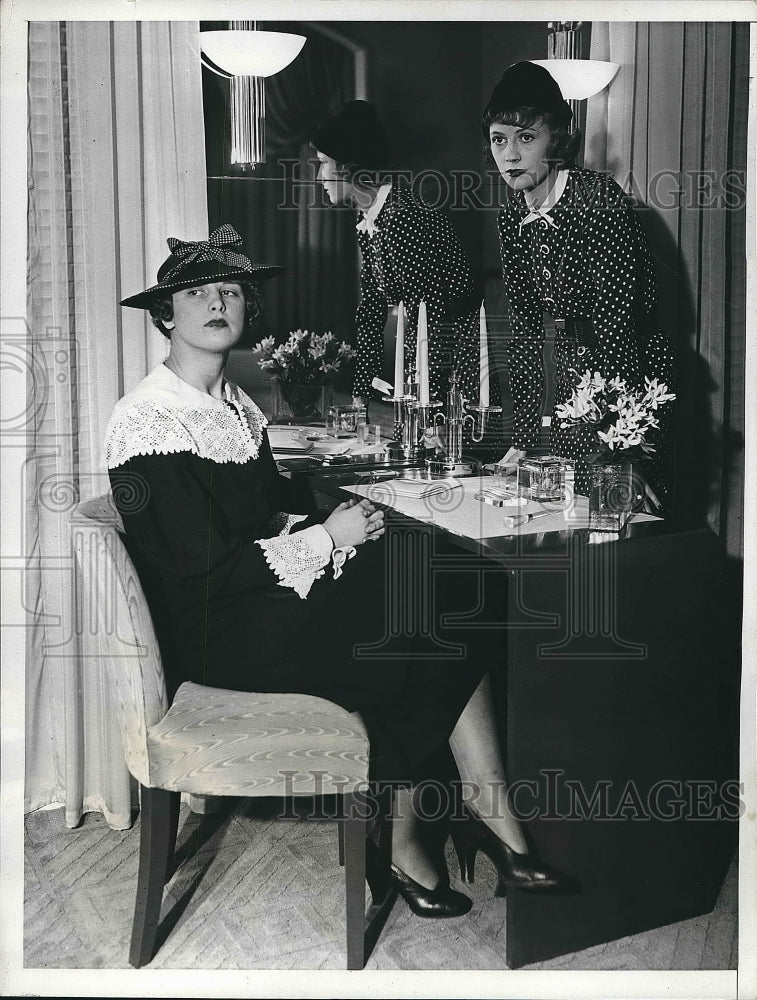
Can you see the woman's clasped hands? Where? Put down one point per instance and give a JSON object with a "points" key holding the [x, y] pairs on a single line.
{"points": [[354, 522]]}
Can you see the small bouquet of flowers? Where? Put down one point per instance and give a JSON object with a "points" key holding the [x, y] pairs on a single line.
{"points": [[304, 357], [622, 416]]}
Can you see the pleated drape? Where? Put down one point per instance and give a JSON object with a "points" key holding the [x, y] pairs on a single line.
{"points": [[672, 131], [116, 164]]}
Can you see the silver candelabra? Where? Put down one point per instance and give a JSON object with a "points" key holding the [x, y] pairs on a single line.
{"points": [[451, 463], [414, 418]]}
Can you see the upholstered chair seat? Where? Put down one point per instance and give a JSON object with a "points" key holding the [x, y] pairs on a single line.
{"points": [[217, 742]]}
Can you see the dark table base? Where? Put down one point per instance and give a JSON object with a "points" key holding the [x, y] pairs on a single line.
{"points": [[628, 688], [618, 700]]}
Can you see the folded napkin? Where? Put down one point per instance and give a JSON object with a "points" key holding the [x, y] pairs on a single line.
{"points": [[286, 441], [417, 488], [334, 447]]}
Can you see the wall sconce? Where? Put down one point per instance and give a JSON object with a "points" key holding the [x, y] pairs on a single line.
{"points": [[245, 56], [248, 52], [577, 78]]}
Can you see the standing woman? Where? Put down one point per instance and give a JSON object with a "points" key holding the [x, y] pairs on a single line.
{"points": [[409, 253], [572, 247]]}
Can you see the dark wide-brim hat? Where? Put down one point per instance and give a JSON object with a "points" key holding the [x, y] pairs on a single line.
{"points": [[354, 135], [526, 85], [216, 259]]}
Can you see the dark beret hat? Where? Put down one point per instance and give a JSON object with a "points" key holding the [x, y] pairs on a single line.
{"points": [[354, 135], [526, 85]]}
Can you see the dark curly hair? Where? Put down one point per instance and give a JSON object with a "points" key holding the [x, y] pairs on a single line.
{"points": [[565, 144], [161, 309]]}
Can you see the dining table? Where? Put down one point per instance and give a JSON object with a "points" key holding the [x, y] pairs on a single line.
{"points": [[616, 691]]}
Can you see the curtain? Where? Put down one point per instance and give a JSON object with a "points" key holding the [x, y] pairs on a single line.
{"points": [[116, 164], [671, 129]]}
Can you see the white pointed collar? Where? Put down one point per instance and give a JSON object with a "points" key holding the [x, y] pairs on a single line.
{"points": [[367, 223], [543, 211]]}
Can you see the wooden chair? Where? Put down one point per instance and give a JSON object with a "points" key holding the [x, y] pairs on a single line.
{"points": [[210, 742]]}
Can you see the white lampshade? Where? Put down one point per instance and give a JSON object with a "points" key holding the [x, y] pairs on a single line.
{"points": [[251, 53], [579, 78]]}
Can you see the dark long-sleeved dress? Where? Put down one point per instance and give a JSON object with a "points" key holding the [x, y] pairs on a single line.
{"points": [[245, 588], [415, 255], [588, 263]]}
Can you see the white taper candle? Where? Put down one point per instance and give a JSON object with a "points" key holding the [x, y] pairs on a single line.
{"points": [[399, 351], [483, 363], [422, 356]]}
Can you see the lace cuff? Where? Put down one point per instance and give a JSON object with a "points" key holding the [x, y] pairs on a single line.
{"points": [[299, 559]]}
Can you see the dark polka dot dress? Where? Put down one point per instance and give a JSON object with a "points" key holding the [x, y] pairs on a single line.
{"points": [[593, 269], [414, 254]]}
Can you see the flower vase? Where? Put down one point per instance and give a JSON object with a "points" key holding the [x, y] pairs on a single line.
{"points": [[611, 495], [300, 403]]}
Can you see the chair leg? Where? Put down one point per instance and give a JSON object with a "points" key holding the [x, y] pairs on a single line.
{"points": [[355, 833], [156, 843], [173, 827], [340, 835]]}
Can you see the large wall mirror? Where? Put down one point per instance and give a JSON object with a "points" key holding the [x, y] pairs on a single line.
{"points": [[428, 81]]}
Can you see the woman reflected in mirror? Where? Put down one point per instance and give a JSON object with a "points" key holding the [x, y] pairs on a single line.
{"points": [[410, 253], [571, 248]]}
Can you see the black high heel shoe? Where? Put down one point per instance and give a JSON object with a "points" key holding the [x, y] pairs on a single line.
{"points": [[441, 901], [520, 871]]}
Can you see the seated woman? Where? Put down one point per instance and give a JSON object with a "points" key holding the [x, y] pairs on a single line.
{"points": [[249, 592]]}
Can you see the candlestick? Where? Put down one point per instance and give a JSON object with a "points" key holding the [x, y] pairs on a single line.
{"points": [[483, 363], [399, 351], [422, 356]]}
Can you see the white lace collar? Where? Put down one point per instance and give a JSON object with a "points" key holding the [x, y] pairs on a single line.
{"points": [[164, 415]]}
